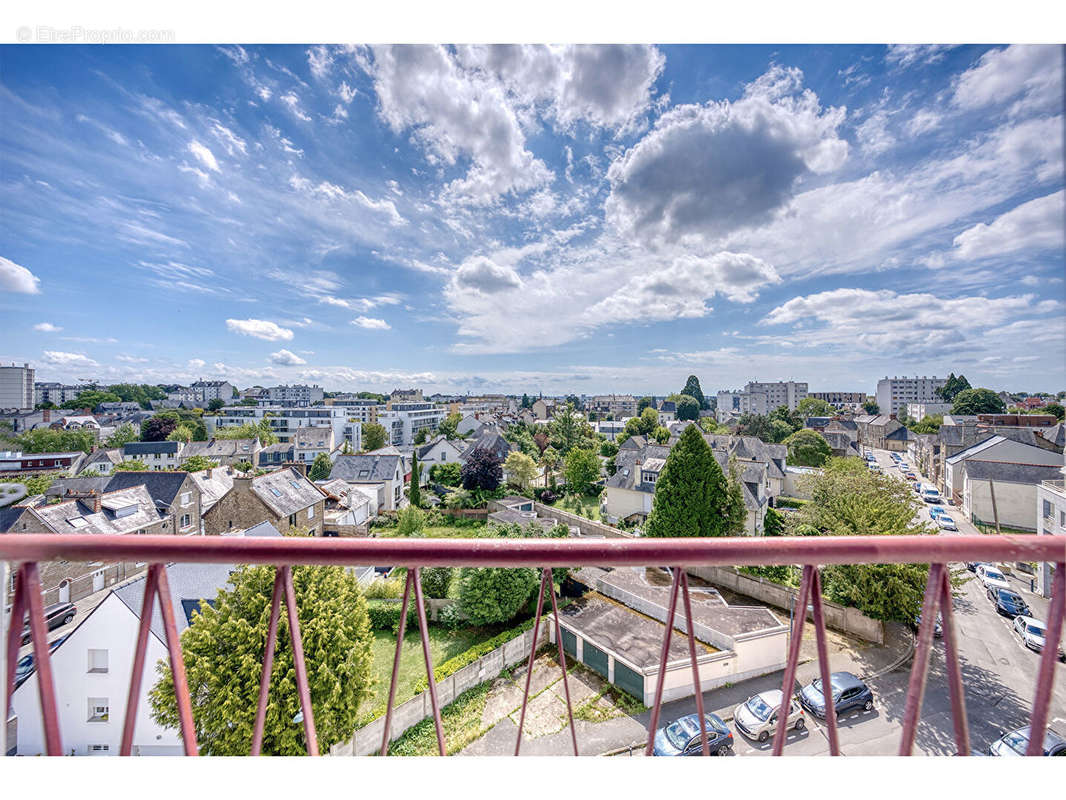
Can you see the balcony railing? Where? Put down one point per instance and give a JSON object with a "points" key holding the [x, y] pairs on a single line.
{"points": [[28, 550]]}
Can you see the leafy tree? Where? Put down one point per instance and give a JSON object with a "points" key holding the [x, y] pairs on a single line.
{"points": [[520, 435], [245, 466], [123, 434], [755, 425], [459, 498], [661, 435], [692, 389], [482, 470], [977, 401], [793, 419], [159, 427], [549, 459], [421, 436], [1056, 409], [414, 494], [133, 465], [143, 393], [950, 390], [928, 423], [692, 495], [688, 407], [870, 407], [526, 402], [569, 429], [373, 436], [36, 484], [645, 402], [449, 428], [410, 520], [262, 430], [773, 523], [197, 463], [90, 399], [182, 433], [522, 469], [807, 448], [490, 595], [447, 474], [55, 440], [582, 469], [814, 407], [780, 430], [223, 653], [47, 404], [320, 467], [608, 449], [709, 425], [436, 580], [216, 404]]}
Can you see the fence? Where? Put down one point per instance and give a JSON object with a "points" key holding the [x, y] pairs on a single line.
{"points": [[841, 618], [367, 740], [586, 527]]}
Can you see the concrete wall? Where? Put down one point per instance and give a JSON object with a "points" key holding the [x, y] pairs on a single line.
{"points": [[837, 617], [621, 503], [587, 527], [1015, 504], [367, 740]]}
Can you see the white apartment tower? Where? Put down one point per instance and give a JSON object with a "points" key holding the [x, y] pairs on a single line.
{"points": [[896, 393], [16, 387], [778, 393]]}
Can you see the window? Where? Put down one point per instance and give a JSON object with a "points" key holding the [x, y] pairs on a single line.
{"points": [[98, 661], [186, 498], [186, 521], [292, 520], [99, 709], [98, 749], [311, 512], [1047, 508]]}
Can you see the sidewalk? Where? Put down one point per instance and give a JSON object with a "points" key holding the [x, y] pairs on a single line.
{"points": [[546, 723]]}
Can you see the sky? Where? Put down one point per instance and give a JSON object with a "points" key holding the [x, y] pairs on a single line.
{"points": [[534, 219]]}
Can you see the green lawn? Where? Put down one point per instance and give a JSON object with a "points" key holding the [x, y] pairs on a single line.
{"points": [[583, 506]]}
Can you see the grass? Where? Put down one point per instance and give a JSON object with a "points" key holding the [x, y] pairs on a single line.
{"points": [[462, 725], [582, 505], [621, 701]]}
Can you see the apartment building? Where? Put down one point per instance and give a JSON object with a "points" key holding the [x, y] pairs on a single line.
{"points": [[359, 409], [55, 393], [778, 393], [404, 420], [297, 395], [923, 410], [617, 405], [896, 393], [840, 399], [405, 396], [16, 387], [285, 421]]}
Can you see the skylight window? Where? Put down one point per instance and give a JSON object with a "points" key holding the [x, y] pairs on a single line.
{"points": [[77, 522], [275, 491]]}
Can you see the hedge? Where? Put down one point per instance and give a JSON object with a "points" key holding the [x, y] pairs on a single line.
{"points": [[385, 614], [453, 665], [790, 502]]}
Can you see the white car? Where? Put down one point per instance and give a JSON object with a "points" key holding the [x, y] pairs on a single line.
{"points": [[991, 577], [1032, 632], [756, 717], [946, 523]]}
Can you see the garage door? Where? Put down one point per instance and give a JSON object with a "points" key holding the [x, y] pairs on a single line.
{"points": [[595, 658], [569, 643], [628, 680]]}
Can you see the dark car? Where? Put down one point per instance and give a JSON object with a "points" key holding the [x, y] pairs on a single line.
{"points": [[938, 629], [849, 693], [1008, 603], [55, 616], [1016, 743], [682, 737], [25, 666]]}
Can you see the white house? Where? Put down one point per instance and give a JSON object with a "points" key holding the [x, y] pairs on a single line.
{"points": [[1051, 520], [437, 451]]}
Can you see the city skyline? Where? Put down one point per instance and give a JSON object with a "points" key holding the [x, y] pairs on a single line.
{"points": [[502, 219]]}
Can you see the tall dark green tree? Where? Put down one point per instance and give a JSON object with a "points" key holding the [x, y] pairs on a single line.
{"points": [[320, 467], [755, 425], [415, 494], [692, 494], [373, 436], [977, 401], [645, 402], [688, 407], [692, 389], [951, 389]]}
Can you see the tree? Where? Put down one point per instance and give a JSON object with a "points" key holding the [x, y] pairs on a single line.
{"points": [[197, 463], [482, 470], [692, 494], [661, 435], [793, 419], [216, 404], [773, 523], [692, 389], [1056, 409], [320, 467], [807, 448], [410, 520], [159, 427], [123, 434], [90, 399], [688, 407], [421, 436], [608, 449], [182, 433], [415, 492], [490, 595], [814, 407], [373, 436], [645, 402], [142, 393], [568, 429], [435, 581], [522, 469], [55, 440], [133, 465], [448, 474], [977, 401], [928, 424], [449, 428], [262, 431], [549, 459], [526, 402], [954, 386], [755, 425], [37, 483], [459, 498], [709, 425], [870, 407], [243, 466], [582, 470], [223, 653], [780, 430]]}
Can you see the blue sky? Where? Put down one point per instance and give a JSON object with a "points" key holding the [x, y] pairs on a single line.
{"points": [[534, 219]]}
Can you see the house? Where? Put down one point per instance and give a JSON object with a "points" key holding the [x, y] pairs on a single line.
{"points": [[1051, 521], [103, 460], [492, 441], [439, 450], [348, 507], [468, 424], [175, 494], [881, 431], [285, 498], [543, 409], [311, 442], [78, 422], [667, 412], [996, 480], [155, 455], [92, 667], [214, 484], [120, 407], [224, 452], [841, 444], [371, 468], [276, 455], [18, 462]]}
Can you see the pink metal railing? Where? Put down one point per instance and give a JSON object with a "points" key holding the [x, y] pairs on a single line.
{"points": [[30, 549]]}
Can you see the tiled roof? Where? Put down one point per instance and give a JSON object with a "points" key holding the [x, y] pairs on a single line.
{"points": [[77, 516], [367, 468], [286, 491], [162, 486]]}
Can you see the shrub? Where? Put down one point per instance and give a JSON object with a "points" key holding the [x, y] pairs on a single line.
{"points": [[385, 614], [381, 589], [435, 581], [489, 595], [790, 502], [450, 619], [410, 520]]}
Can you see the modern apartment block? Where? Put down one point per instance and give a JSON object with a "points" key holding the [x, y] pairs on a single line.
{"points": [[896, 393], [206, 391], [617, 405], [285, 421], [298, 395], [840, 399], [16, 387], [404, 420], [358, 408], [760, 398], [56, 393]]}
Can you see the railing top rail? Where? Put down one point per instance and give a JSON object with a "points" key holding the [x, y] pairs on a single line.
{"points": [[534, 552]]}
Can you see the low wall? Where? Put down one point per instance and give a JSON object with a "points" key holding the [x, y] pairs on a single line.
{"points": [[367, 740], [465, 513], [587, 527], [837, 617]]}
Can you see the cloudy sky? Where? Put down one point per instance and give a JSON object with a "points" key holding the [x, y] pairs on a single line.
{"points": [[555, 219]]}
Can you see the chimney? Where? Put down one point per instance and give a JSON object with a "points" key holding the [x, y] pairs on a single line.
{"points": [[210, 471], [96, 503], [46, 415], [242, 483]]}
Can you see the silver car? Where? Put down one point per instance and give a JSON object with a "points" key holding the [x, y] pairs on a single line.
{"points": [[756, 718], [1031, 631]]}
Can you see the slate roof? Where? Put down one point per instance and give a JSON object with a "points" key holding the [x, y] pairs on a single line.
{"points": [[148, 448], [270, 454], [286, 491], [367, 468], [221, 448], [104, 521], [162, 486], [60, 487], [111, 455], [492, 441], [1000, 472], [668, 407], [213, 484], [424, 449], [312, 438], [9, 516]]}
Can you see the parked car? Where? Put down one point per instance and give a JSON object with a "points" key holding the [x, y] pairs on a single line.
{"points": [[875, 469], [973, 565], [934, 511], [25, 666], [756, 717], [915, 484], [848, 693], [991, 577], [1008, 603], [1016, 743], [1031, 631], [55, 616], [931, 496], [938, 629], [946, 523], [910, 476], [682, 737]]}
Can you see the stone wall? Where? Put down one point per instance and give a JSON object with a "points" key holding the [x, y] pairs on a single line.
{"points": [[587, 527], [837, 617], [367, 740]]}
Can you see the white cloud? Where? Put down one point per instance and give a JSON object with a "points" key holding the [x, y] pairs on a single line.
{"points": [[286, 358], [923, 121], [331, 192], [371, 324], [231, 141], [57, 358], [196, 363], [346, 92], [125, 359], [320, 60], [16, 278], [873, 134], [1035, 225], [483, 275], [1033, 71], [260, 329], [206, 157], [905, 55], [291, 100], [705, 170], [46, 327]]}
